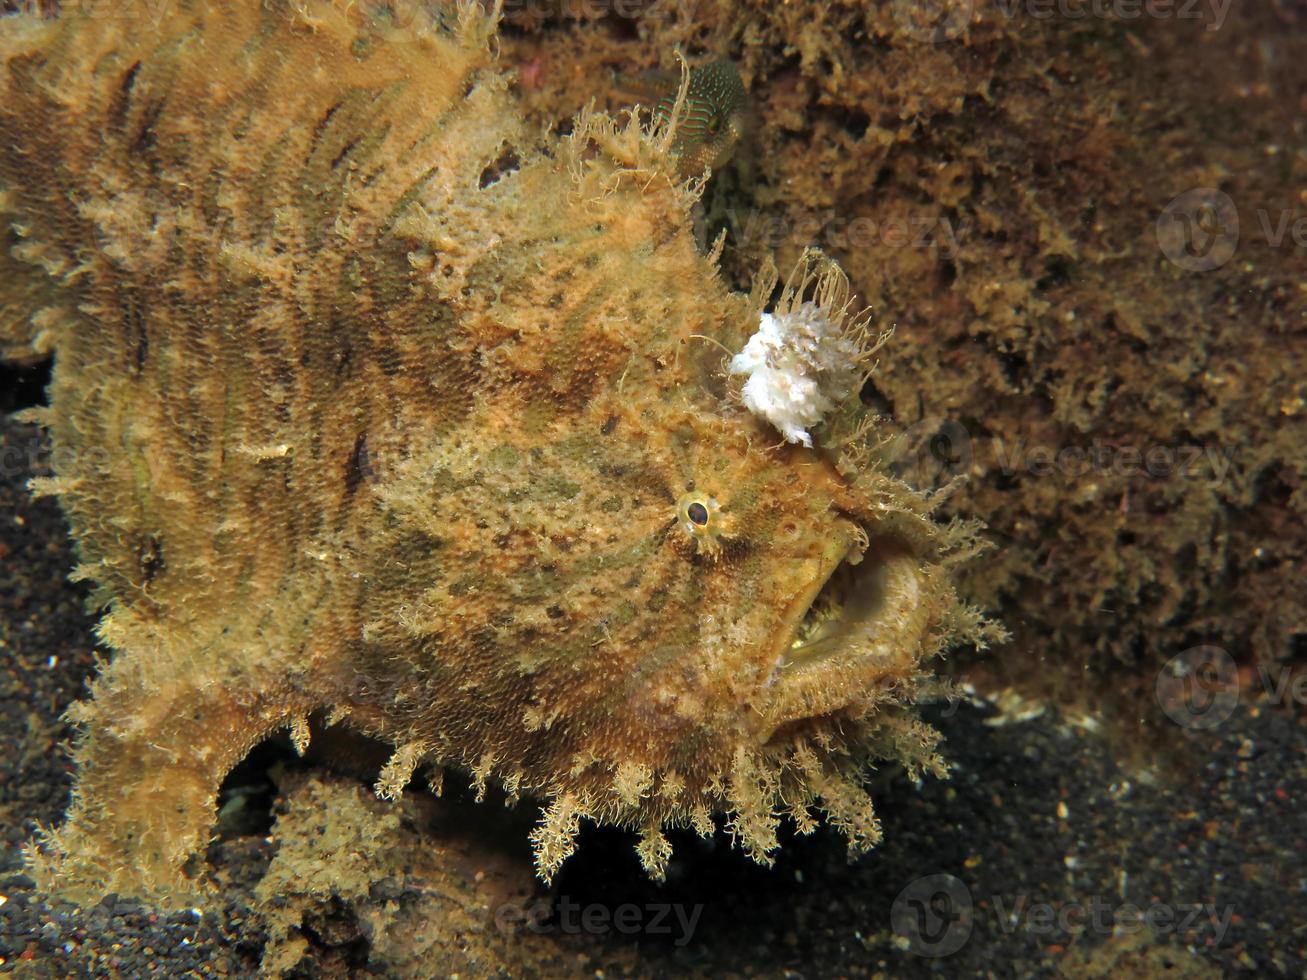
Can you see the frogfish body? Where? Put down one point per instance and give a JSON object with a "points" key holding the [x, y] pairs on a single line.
{"points": [[373, 406]]}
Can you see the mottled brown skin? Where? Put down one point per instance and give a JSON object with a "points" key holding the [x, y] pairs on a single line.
{"points": [[369, 405]]}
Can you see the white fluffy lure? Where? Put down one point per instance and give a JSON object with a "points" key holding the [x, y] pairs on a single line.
{"points": [[800, 366]]}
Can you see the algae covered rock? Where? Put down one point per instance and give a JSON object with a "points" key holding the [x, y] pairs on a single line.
{"points": [[371, 404]]}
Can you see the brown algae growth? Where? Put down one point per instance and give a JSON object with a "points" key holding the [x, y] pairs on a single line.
{"points": [[372, 404]]}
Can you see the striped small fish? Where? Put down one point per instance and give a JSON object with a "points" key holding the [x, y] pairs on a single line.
{"points": [[712, 120]]}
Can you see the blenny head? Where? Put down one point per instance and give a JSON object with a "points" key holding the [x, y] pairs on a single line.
{"points": [[708, 125]]}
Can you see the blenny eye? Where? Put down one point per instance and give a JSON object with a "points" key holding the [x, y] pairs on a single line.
{"points": [[698, 513]]}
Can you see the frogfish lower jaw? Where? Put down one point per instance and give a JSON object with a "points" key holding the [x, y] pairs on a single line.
{"points": [[847, 638]]}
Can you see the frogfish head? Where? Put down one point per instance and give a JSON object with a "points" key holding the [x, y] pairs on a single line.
{"points": [[647, 607]]}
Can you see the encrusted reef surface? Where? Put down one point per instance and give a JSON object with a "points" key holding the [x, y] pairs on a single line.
{"points": [[371, 408]]}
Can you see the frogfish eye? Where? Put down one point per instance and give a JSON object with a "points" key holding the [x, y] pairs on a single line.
{"points": [[700, 518]]}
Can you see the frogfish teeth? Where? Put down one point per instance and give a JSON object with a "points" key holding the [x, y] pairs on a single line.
{"points": [[372, 407]]}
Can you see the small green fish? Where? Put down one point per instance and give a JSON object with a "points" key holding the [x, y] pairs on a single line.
{"points": [[712, 121]]}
